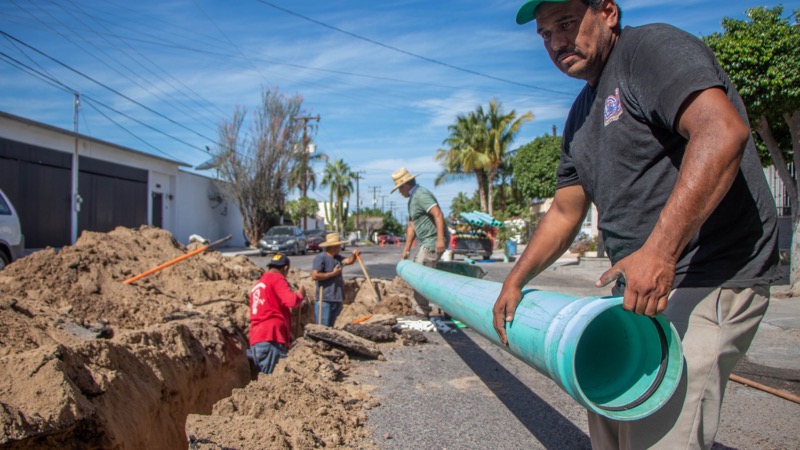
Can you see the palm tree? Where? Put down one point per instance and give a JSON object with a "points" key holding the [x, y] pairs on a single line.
{"points": [[339, 178], [465, 155], [301, 175], [477, 144], [501, 129]]}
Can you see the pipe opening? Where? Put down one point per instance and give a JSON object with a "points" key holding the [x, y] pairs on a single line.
{"points": [[621, 359]]}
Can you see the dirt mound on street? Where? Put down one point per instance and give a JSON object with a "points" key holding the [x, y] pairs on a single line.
{"points": [[90, 362], [308, 402]]}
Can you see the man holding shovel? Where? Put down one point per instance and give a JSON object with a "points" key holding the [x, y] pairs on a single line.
{"points": [[327, 272]]}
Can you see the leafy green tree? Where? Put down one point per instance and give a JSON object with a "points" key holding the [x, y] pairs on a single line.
{"points": [[762, 57], [462, 203], [502, 129], [535, 167], [509, 202], [339, 178], [465, 155], [301, 176], [379, 221], [254, 166], [301, 208]]}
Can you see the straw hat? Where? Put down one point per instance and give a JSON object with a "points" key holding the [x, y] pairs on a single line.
{"points": [[401, 177], [332, 239]]}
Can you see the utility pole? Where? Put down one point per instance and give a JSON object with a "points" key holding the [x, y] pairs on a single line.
{"points": [[358, 177], [75, 198], [383, 203], [375, 190], [306, 151]]}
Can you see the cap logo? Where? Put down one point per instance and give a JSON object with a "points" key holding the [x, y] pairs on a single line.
{"points": [[276, 257]]}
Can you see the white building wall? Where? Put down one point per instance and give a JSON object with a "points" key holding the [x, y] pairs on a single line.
{"points": [[186, 210], [201, 209]]}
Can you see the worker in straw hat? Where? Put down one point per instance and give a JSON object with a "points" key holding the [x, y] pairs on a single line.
{"points": [[327, 272], [425, 223]]}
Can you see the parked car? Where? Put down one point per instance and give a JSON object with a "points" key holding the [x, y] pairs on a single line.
{"points": [[12, 241], [387, 238], [314, 238], [284, 239]]}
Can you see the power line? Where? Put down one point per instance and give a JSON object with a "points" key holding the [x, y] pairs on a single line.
{"points": [[108, 56], [54, 82], [68, 67], [148, 60], [405, 52], [91, 103]]}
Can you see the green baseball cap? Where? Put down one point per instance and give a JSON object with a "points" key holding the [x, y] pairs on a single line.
{"points": [[527, 12]]}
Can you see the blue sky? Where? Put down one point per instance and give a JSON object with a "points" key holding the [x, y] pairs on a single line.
{"points": [[387, 78]]}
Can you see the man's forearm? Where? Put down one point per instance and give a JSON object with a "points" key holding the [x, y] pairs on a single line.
{"points": [[410, 235]]}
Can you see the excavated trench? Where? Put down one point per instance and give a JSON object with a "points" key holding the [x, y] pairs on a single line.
{"points": [[90, 362]]}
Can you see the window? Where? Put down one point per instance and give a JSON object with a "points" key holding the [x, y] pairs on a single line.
{"points": [[5, 210]]}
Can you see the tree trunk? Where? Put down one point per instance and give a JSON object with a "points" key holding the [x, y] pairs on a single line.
{"points": [[489, 192], [481, 176], [764, 131], [793, 121], [339, 206]]}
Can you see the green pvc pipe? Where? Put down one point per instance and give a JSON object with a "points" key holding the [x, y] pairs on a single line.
{"points": [[615, 363]]}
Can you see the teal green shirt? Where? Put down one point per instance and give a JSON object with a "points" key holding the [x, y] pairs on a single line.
{"points": [[419, 205]]}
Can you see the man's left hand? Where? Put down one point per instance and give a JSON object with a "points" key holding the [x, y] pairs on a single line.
{"points": [[440, 247], [648, 281], [356, 252]]}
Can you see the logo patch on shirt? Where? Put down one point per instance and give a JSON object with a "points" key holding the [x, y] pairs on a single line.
{"points": [[613, 109]]}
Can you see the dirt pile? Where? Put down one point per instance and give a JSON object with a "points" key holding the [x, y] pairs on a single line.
{"points": [[90, 362], [308, 402]]}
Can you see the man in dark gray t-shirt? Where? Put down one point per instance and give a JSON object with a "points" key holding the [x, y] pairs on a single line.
{"points": [[659, 141]]}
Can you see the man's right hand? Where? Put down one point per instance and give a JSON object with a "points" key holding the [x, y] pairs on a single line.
{"points": [[336, 271], [503, 311], [406, 253]]}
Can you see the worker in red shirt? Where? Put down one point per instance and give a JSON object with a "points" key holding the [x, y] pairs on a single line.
{"points": [[270, 317]]}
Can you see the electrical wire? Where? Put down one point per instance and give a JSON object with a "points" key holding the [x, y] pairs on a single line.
{"points": [[171, 101], [70, 68], [91, 102], [408, 53]]}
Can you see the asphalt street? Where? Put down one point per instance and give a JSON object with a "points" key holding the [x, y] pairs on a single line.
{"points": [[460, 391]]}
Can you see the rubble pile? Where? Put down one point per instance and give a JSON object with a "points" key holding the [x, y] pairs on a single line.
{"points": [[91, 362]]}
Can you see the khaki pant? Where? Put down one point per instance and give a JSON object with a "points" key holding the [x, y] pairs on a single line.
{"points": [[716, 327], [426, 258]]}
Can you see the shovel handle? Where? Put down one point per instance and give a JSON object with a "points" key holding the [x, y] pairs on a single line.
{"points": [[369, 280], [175, 260]]}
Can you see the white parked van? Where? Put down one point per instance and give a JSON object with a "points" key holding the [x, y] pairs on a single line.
{"points": [[12, 241]]}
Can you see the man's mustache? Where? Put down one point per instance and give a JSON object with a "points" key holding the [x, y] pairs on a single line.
{"points": [[569, 51]]}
